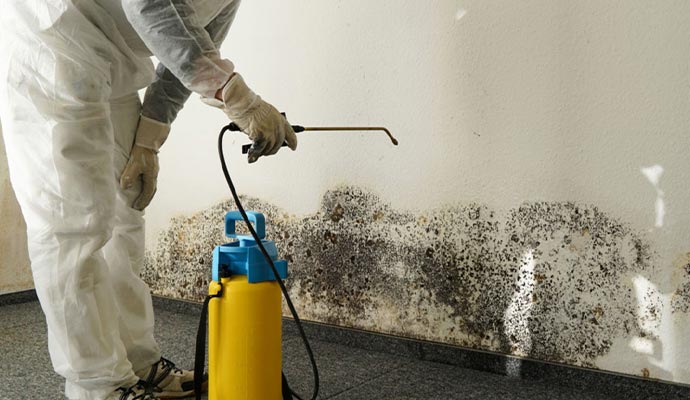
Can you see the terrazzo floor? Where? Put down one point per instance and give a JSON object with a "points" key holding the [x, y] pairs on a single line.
{"points": [[346, 372]]}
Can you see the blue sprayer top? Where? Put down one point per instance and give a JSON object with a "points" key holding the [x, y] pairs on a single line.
{"points": [[243, 257]]}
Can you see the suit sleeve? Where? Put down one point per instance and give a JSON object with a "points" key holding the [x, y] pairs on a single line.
{"points": [[189, 57]]}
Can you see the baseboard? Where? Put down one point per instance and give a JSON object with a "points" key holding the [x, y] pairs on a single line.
{"points": [[24, 296]]}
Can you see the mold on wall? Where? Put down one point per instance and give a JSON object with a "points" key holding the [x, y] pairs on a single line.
{"points": [[680, 300], [548, 280]]}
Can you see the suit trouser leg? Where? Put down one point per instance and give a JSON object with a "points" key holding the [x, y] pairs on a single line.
{"points": [[124, 252], [59, 141]]}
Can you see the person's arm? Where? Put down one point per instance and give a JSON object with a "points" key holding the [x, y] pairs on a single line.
{"points": [[166, 96], [173, 33]]}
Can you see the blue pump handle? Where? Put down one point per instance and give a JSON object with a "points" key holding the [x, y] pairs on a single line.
{"points": [[256, 218]]}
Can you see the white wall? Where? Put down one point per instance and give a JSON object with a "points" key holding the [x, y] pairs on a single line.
{"points": [[494, 102], [15, 273]]}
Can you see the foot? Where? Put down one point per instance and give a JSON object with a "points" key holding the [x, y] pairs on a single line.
{"points": [[167, 381], [135, 392]]}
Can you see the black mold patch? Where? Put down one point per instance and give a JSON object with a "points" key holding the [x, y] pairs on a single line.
{"points": [[681, 298], [548, 280]]}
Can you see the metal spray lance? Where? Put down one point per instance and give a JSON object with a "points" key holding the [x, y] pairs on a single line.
{"points": [[299, 128]]}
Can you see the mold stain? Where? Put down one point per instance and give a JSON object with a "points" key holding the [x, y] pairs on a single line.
{"points": [[446, 275], [680, 301]]}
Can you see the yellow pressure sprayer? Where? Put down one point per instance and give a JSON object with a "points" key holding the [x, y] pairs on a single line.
{"points": [[245, 320], [245, 314]]}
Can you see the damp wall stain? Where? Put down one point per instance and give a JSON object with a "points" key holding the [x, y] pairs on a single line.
{"points": [[546, 280]]}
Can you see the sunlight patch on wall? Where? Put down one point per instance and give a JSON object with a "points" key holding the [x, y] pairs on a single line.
{"points": [[653, 174], [642, 346], [520, 309]]}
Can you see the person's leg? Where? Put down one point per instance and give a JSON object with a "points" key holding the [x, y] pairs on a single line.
{"points": [[124, 254], [125, 250], [59, 139]]}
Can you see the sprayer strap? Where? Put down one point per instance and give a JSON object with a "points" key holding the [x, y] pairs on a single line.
{"points": [[200, 354], [287, 392]]}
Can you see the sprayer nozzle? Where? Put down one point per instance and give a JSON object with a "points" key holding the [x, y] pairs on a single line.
{"points": [[390, 135]]}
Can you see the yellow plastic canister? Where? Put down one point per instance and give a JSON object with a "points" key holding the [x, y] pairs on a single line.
{"points": [[245, 354]]}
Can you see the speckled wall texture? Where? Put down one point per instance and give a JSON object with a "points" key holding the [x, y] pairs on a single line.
{"points": [[547, 280]]}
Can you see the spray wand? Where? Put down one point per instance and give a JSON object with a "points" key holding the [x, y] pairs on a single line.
{"points": [[299, 128]]}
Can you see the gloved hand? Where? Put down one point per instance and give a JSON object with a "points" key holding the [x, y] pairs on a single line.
{"points": [[264, 125], [143, 160]]}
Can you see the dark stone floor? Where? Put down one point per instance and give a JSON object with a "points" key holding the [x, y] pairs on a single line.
{"points": [[346, 372]]}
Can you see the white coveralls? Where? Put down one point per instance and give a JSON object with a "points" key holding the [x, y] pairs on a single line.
{"points": [[69, 75]]}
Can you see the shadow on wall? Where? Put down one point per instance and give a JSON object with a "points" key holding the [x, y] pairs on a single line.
{"points": [[547, 280], [15, 273]]}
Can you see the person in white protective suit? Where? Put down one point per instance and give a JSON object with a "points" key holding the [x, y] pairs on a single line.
{"points": [[82, 151]]}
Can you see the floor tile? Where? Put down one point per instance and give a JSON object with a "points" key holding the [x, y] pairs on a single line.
{"points": [[347, 372], [425, 380], [20, 314], [340, 368]]}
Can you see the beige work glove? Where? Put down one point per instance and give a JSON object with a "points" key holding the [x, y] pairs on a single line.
{"points": [[143, 160], [264, 125]]}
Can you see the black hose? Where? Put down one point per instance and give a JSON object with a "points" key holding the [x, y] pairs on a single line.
{"points": [[315, 369]]}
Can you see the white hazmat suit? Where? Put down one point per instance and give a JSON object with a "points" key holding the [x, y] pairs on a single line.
{"points": [[69, 75]]}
